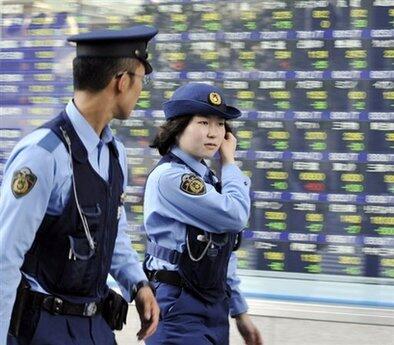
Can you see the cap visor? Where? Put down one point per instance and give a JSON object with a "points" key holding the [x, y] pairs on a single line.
{"points": [[148, 67]]}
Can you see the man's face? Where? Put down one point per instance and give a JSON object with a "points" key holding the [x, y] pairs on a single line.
{"points": [[129, 96]]}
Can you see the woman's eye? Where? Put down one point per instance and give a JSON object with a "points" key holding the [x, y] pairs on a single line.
{"points": [[204, 122], [221, 124]]}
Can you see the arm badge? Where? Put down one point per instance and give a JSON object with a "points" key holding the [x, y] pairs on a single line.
{"points": [[23, 182], [193, 184]]}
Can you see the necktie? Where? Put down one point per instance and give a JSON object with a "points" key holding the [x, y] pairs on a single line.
{"points": [[209, 178], [99, 147]]}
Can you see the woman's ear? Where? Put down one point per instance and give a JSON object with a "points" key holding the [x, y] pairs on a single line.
{"points": [[227, 127]]}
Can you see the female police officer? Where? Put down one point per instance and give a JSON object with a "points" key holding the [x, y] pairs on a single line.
{"points": [[193, 222]]}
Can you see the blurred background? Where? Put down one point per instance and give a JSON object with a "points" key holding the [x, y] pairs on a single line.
{"points": [[315, 82]]}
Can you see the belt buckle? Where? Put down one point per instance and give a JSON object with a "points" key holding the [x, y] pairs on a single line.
{"points": [[57, 306], [153, 276], [90, 309]]}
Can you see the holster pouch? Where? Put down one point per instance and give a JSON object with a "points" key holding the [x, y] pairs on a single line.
{"points": [[115, 310], [19, 307]]}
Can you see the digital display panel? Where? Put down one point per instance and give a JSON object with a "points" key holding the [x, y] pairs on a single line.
{"points": [[314, 80]]}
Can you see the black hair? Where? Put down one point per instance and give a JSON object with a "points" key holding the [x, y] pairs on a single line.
{"points": [[94, 74], [167, 134]]}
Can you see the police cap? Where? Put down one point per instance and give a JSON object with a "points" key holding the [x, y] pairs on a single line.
{"points": [[199, 98], [130, 42]]}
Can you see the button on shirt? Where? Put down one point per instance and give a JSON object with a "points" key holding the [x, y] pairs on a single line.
{"points": [[21, 217], [167, 210]]}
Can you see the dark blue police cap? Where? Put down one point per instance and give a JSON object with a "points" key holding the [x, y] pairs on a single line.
{"points": [[130, 42], [199, 98]]}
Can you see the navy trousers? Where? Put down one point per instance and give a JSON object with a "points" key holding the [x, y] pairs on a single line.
{"points": [[185, 320], [38, 327]]}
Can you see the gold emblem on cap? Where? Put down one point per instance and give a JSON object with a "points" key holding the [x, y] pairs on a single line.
{"points": [[214, 98]]}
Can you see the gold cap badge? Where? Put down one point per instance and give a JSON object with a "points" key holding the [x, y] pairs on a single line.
{"points": [[214, 98]]}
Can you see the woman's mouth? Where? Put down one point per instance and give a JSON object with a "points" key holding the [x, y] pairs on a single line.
{"points": [[211, 146]]}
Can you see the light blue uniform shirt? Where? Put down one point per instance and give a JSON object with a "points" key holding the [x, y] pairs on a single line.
{"points": [[21, 217], [167, 210]]}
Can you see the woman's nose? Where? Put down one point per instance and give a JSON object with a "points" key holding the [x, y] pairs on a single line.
{"points": [[213, 131]]}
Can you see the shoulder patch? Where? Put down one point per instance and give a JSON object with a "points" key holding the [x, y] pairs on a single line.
{"points": [[193, 184], [23, 182]]}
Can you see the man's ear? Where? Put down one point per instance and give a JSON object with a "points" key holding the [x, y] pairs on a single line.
{"points": [[121, 83]]}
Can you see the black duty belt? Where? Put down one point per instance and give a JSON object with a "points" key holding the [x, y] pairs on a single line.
{"points": [[168, 277], [58, 306]]}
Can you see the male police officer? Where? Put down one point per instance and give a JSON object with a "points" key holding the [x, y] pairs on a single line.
{"points": [[62, 217]]}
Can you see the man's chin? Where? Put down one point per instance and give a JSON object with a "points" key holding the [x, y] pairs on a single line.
{"points": [[122, 116]]}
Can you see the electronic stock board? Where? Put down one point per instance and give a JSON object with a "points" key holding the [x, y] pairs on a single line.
{"points": [[314, 80]]}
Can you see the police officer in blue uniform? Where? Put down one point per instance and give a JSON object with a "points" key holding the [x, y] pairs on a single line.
{"points": [[62, 216], [194, 221]]}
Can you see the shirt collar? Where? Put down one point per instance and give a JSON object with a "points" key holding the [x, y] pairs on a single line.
{"points": [[194, 163], [85, 131]]}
